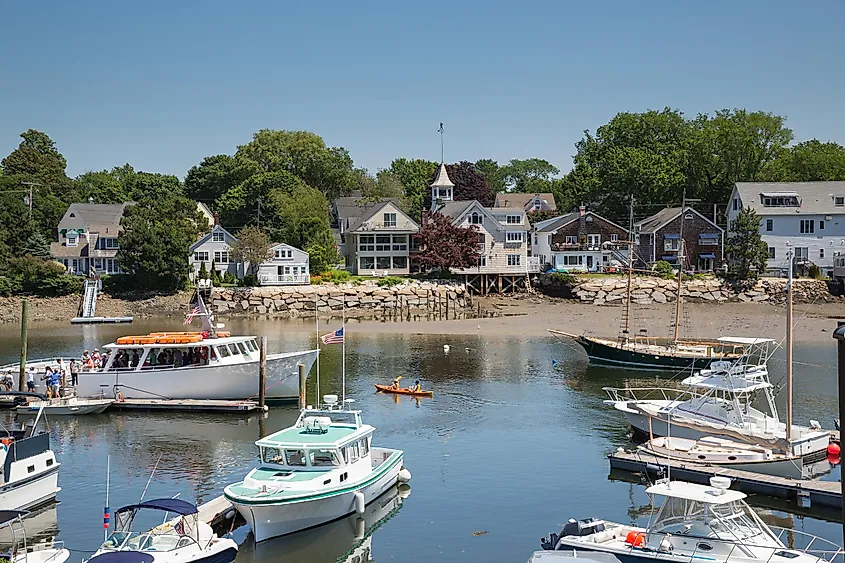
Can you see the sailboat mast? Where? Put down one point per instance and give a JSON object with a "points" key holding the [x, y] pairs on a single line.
{"points": [[789, 349], [680, 262], [317, 323], [630, 269]]}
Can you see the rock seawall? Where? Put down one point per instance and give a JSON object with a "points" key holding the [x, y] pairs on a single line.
{"points": [[648, 290]]}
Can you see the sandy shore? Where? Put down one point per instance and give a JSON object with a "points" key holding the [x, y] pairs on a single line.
{"points": [[533, 316]]}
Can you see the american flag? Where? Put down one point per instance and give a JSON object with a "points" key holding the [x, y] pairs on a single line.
{"points": [[335, 337], [194, 312]]}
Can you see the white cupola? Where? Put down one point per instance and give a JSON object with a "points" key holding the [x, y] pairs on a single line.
{"points": [[441, 189]]}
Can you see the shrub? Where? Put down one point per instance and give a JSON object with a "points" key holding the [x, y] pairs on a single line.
{"points": [[562, 278], [249, 280], [336, 276], [8, 286], [229, 278], [41, 277], [390, 281], [663, 269]]}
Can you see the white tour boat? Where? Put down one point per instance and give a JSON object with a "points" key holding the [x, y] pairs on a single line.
{"points": [[11, 521], [185, 540], [321, 469], [696, 522], [30, 472]]}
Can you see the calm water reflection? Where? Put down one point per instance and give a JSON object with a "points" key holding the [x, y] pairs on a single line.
{"points": [[513, 443]]}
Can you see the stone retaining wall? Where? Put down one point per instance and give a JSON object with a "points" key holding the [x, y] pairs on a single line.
{"points": [[647, 290], [410, 299]]}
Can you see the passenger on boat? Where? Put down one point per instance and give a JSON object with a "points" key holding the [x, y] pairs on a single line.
{"points": [[417, 387], [30, 379], [135, 359], [396, 382], [177, 357], [97, 358], [74, 373]]}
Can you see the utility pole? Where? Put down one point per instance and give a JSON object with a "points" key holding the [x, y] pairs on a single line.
{"points": [[259, 213], [29, 198]]}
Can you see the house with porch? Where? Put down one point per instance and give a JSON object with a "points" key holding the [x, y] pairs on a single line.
{"points": [[581, 241], [377, 238], [214, 248], [527, 201], [659, 238], [502, 238], [288, 266], [87, 238]]}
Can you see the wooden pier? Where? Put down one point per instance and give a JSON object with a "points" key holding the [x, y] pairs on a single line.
{"points": [[812, 492], [185, 405]]}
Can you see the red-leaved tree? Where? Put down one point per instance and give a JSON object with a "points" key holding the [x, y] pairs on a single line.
{"points": [[444, 245]]}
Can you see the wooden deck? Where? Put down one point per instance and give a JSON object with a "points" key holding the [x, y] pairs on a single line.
{"points": [[814, 492], [185, 405]]}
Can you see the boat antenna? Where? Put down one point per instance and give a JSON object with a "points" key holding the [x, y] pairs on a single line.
{"points": [[789, 256], [144, 492], [317, 322], [106, 509], [343, 353]]}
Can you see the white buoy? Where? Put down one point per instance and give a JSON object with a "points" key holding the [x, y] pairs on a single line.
{"points": [[266, 408], [404, 475], [446, 348], [360, 504]]}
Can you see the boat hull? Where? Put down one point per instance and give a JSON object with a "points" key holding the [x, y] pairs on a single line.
{"points": [[280, 519], [226, 382], [94, 406], [621, 357], [31, 492], [403, 391]]}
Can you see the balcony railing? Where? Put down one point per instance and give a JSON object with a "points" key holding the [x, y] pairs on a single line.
{"points": [[284, 279], [562, 246], [534, 265]]}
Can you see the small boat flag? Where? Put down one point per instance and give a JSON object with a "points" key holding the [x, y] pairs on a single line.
{"points": [[335, 337], [106, 518], [194, 312]]}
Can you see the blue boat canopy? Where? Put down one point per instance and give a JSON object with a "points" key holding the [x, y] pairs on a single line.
{"points": [[123, 557], [671, 235], [174, 505]]}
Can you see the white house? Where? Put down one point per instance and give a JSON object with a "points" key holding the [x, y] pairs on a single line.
{"points": [[216, 247], [378, 240], [809, 216], [288, 266]]}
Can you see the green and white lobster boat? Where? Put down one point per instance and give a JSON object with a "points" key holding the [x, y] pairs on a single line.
{"points": [[319, 470]]}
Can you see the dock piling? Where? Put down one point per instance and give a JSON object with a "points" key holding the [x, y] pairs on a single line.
{"points": [[24, 337], [839, 335], [262, 372], [302, 376]]}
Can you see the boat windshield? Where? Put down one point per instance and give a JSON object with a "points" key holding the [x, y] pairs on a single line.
{"points": [[154, 540], [728, 521]]}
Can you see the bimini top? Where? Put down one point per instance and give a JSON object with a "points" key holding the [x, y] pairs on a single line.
{"points": [[7, 516], [691, 491], [722, 382], [744, 340], [123, 557], [174, 505]]}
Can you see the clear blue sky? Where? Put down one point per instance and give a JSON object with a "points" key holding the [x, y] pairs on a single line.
{"points": [[162, 84]]}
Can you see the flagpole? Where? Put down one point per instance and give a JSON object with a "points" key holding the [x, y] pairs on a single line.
{"points": [[317, 318], [343, 353]]}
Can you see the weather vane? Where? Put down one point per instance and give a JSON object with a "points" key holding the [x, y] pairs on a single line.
{"points": [[441, 142]]}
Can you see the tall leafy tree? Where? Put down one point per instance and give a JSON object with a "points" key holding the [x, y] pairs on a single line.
{"points": [[101, 187], [444, 245], [151, 186], [37, 159], [533, 175], [810, 161], [303, 216], [745, 246], [415, 175], [322, 253], [253, 246], [214, 176], [384, 185], [239, 206], [493, 174]]}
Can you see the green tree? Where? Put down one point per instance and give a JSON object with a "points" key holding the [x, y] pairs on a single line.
{"points": [[214, 176], [493, 174], [532, 175], [239, 205], [322, 253], [303, 154], [36, 246], [810, 161], [101, 187], [155, 241], [203, 273], [415, 175], [38, 160], [303, 216], [745, 247], [253, 246], [385, 185], [142, 186]]}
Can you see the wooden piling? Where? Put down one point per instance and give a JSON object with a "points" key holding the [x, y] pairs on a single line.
{"points": [[302, 376], [24, 336], [262, 373]]}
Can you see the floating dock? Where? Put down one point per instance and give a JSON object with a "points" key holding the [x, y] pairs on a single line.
{"points": [[99, 320], [810, 492], [185, 405]]}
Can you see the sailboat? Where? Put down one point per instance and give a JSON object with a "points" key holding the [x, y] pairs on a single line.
{"points": [[639, 352]]}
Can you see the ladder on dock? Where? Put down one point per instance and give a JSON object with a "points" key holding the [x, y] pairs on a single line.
{"points": [[89, 298]]}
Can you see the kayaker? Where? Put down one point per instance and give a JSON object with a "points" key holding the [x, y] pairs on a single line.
{"points": [[396, 382], [417, 387]]}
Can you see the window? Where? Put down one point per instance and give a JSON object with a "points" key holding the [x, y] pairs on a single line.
{"points": [[221, 257], [242, 348], [514, 236], [573, 260], [365, 243], [295, 457], [218, 236], [593, 240], [382, 243], [736, 204], [353, 453], [571, 239], [839, 201], [400, 242], [513, 219], [324, 458], [770, 225], [807, 226], [821, 225], [783, 200], [671, 244], [282, 254], [223, 352], [201, 256], [364, 446], [802, 253], [383, 263], [366, 263], [614, 237], [389, 219], [536, 205], [49, 462], [30, 469], [514, 259], [72, 239], [475, 218], [109, 243], [708, 239], [400, 262], [771, 253], [821, 252], [482, 261], [272, 455]]}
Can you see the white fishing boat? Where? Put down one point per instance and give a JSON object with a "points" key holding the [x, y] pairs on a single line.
{"points": [[185, 540], [64, 406], [696, 522], [321, 469], [11, 521], [30, 474]]}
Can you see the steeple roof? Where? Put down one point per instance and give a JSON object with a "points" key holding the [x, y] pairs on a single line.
{"points": [[442, 180]]}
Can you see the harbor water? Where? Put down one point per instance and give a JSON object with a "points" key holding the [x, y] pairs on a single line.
{"points": [[512, 444]]}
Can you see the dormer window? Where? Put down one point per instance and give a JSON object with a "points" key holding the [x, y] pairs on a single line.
{"points": [[72, 239], [513, 219], [389, 219], [218, 236], [839, 201], [537, 204], [780, 199], [475, 218]]}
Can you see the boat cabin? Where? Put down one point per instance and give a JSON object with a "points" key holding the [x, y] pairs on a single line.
{"points": [[178, 350]]}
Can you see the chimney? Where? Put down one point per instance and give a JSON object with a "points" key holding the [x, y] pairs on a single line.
{"points": [[582, 210], [216, 218]]}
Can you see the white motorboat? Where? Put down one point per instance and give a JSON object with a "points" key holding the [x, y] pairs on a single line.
{"points": [[696, 522], [64, 406], [11, 521], [30, 474], [711, 450], [187, 539], [321, 469]]}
